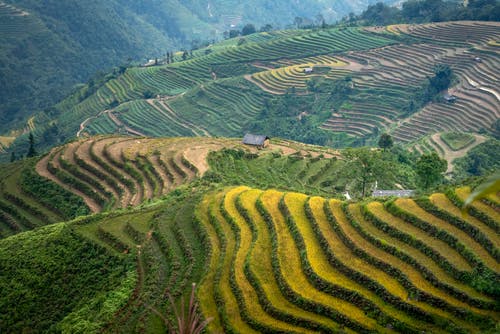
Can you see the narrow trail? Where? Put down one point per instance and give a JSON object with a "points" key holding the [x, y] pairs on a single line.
{"points": [[84, 123], [120, 124], [170, 114], [483, 88]]}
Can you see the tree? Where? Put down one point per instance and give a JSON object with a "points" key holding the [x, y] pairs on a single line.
{"points": [[185, 55], [442, 78], [430, 169], [266, 28], [13, 156], [385, 141], [320, 20], [248, 29], [364, 166], [234, 33], [298, 21], [31, 149]]}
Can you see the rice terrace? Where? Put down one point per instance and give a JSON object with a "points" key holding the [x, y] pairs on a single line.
{"points": [[319, 179]]}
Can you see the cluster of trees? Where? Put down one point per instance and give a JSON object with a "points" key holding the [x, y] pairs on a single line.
{"points": [[31, 150], [248, 29], [422, 11], [365, 166], [481, 160], [431, 88], [49, 273]]}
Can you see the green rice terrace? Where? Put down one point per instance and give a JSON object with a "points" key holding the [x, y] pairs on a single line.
{"points": [[348, 85], [96, 234]]}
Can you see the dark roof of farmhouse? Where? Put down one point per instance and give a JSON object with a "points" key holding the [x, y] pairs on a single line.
{"points": [[251, 139], [448, 96], [397, 193]]}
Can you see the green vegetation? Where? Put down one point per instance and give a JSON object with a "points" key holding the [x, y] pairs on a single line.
{"points": [[321, 174], [414, 11], [61, 44], [58, 278], [335, 86], [457, 141], [263, 260], [480, 160], [430, 169]]}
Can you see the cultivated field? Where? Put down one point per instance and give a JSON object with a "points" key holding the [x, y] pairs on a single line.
{"points": [[286, 262]]}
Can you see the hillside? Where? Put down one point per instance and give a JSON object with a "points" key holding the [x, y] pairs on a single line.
{"points": [[106, 173], [359, 83], [48, 47], [265, 260]]}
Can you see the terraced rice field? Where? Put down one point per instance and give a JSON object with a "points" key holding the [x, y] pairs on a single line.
{"points": [[16, 23], [286, 262], [279, 80], [448, 151], [109, 172], [222, 92], [115, 172], [194, 76], [402, 68]]}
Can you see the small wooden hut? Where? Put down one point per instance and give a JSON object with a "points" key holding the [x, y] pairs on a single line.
{"points": [[260, 141]]}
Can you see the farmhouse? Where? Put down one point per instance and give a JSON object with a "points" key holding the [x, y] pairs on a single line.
{"points": [[260, 141], [308, 70], [449, 98], [396, 193]]}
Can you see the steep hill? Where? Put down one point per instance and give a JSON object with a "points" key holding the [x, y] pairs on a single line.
{"points": [[335, 86], [49, 46], [269, 261], [283, 258], [109, 172]]}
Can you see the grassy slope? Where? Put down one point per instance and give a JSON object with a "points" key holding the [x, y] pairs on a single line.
{"points": [[52, 272]]}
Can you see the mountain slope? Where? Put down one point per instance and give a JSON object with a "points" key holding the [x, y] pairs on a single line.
{"points": [[334, 86], [266, 261], [49, 46], [170, 211]]}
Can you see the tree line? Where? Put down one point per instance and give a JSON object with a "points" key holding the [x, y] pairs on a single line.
{"points": [[424, 11]]}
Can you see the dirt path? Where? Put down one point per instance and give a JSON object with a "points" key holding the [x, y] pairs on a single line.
{"points": [[84, 123], [120, 124], [486, 89], [450, 155], [267, 68], [171, 115], [261, 86], [351, 65], [41, 169]]}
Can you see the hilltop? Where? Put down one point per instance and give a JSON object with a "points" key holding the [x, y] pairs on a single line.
{"points": [[258, 230]]}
